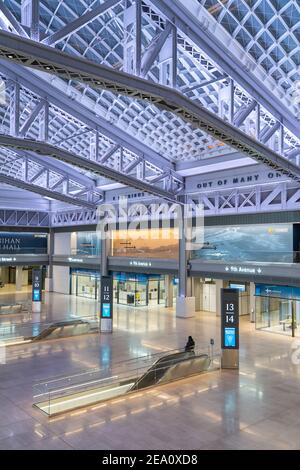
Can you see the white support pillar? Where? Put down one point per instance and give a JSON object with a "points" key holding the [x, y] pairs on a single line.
{"points": [[169, 290], [63, 243], [49, 278], [298, 313], [252, 302], [19, 278], [185, 303], [105, 252], [219, 286], [198, 293]]}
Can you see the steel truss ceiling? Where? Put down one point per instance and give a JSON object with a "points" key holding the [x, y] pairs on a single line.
{"points": [[268, 30], [236, 201], [78, 131], [28, 171], [32, 54], [24, 218], [218, 101], [43, 148]]}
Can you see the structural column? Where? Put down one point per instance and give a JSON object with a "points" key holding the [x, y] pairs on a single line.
{"points": [[105, 252], [169, 290], [63, 243], [198, 293], [219, 286], [106, 287], [252, 302], [297, 313], [185, 303], [19, 278], [49, 278]]}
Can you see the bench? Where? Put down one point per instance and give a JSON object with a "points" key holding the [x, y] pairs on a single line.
{"points": [[287, 321]]}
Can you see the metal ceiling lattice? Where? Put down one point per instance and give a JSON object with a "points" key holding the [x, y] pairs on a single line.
{"points": [[267, 30]]}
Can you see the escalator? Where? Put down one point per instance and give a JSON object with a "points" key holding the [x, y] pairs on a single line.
{"points": [[172, 367], [67, 397], [64, 329]]}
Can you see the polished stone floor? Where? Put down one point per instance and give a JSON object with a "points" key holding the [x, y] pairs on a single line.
{"points": [[257, 407]]}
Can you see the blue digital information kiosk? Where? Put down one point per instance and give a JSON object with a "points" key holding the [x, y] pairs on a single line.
{"points": [[230, 328], [106, 304], [37, 280]]}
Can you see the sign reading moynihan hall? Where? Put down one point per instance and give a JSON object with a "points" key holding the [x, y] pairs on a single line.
{"points": [[23, 243]]}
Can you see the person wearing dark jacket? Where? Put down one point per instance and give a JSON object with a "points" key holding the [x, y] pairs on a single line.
{"points": [[190, 345]]}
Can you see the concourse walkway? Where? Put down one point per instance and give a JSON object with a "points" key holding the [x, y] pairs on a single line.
{"points": [[256, 407]]}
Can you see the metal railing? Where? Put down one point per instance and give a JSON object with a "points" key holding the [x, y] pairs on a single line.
{"points": [[18, 332]]}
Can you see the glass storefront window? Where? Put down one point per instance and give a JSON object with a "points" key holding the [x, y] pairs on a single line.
{"points": [[139, 289], [275, 315], [276, 310], [132, 289], [85, 283]]}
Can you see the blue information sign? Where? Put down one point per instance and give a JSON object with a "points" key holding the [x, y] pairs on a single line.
{"points": [[36, 295], [230, 337]]}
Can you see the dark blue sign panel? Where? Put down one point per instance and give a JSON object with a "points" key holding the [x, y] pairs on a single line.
{"points": [[230, 319], [36, 285], [106, 297], [22, 243], [283, 292]]}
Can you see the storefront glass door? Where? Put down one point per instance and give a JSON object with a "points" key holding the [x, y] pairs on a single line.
{"points": [[153, 292], [276, 315]]}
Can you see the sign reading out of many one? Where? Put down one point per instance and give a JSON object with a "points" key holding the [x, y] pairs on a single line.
{"points": [[230, 319]]}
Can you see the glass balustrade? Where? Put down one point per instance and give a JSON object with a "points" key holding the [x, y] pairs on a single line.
{"points": [[92, 387]]}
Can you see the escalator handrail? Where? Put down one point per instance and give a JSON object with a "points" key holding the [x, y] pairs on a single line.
{"points": [[166, 362], [47, 331]]}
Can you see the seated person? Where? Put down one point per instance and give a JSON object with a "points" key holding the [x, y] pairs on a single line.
{"points": [[190, 345]]}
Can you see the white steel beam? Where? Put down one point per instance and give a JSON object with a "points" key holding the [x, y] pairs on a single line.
{"points": [[42, 57]]}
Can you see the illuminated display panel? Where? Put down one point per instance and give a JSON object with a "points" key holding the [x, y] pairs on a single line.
{"points": [[146, 243], [265, 242]]}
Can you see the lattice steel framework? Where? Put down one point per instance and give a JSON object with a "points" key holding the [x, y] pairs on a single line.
{"points": [[198, 97]]}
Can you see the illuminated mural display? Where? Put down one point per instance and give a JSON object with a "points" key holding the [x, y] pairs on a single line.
{"points": [[264, 242], [154, 243]]}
